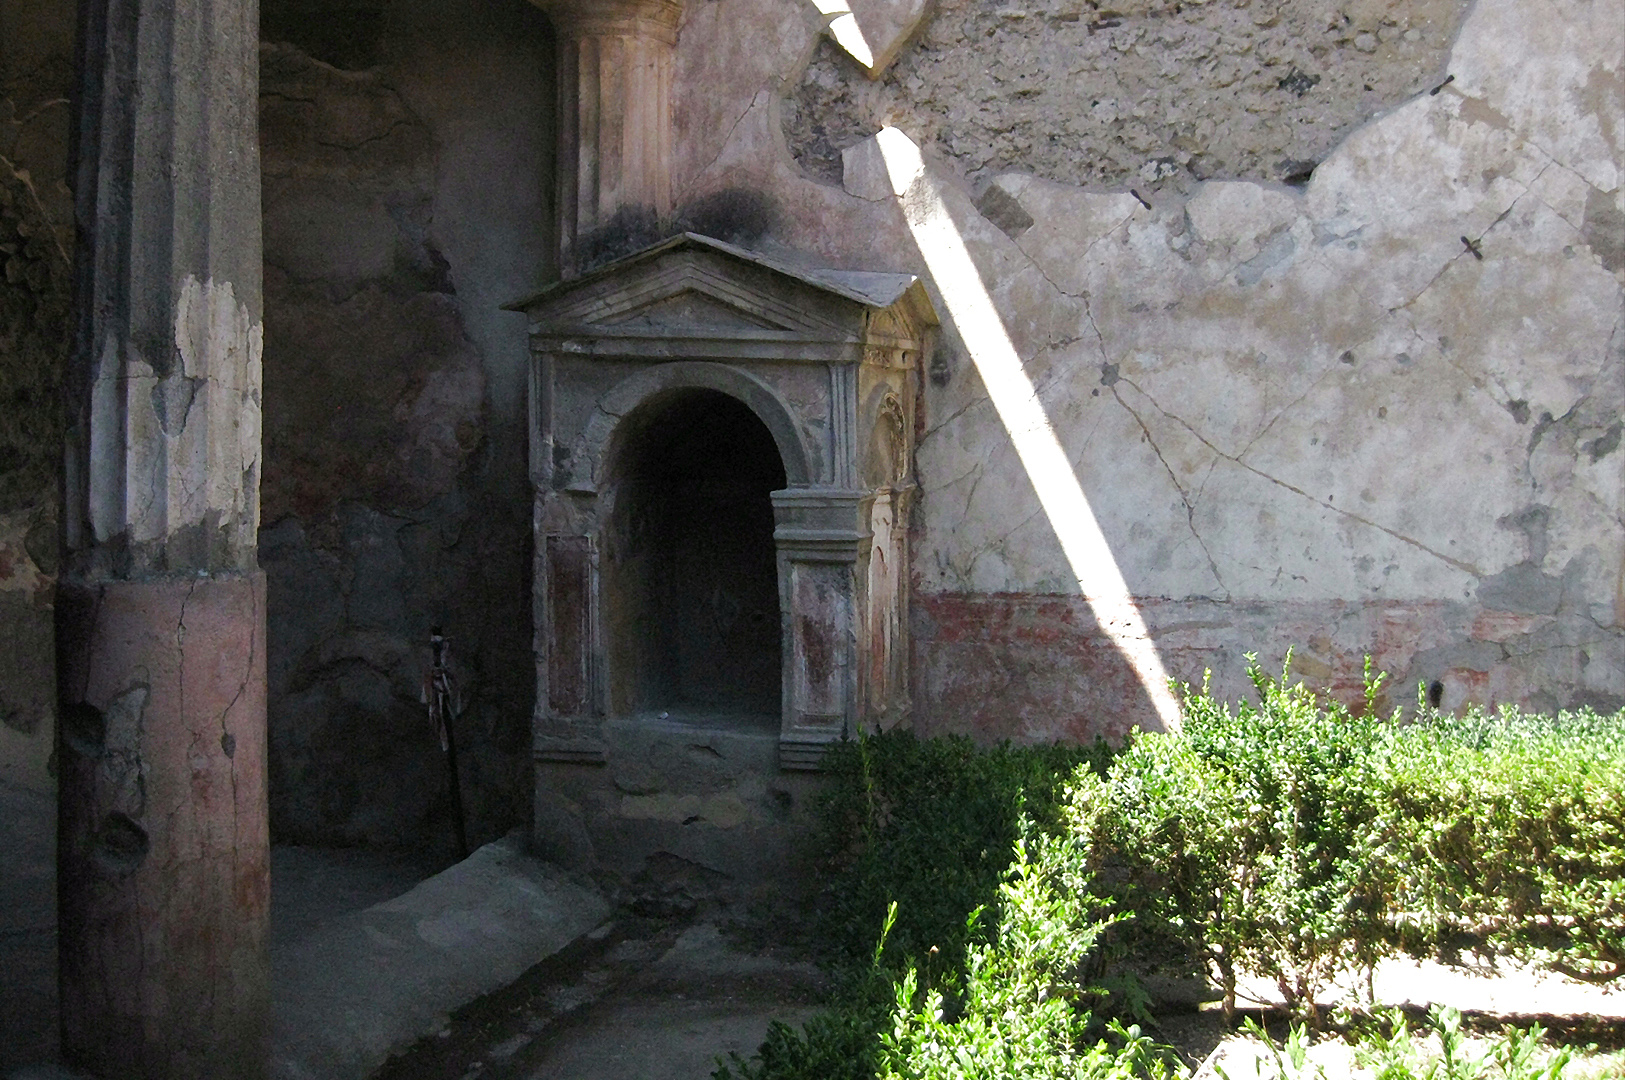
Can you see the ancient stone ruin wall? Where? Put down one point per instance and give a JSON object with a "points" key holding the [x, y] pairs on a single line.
{"points": [[406, 157], [1377, 410], [36, 244], [1145, 94], [1346, 373]]}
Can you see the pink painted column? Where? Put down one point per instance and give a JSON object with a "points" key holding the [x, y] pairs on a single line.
{"points": [[163, 848]]}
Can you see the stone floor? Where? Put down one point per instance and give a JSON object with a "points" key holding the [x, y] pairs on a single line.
{"points": [[652, 999], [368, 949], [27, 927], [311, 887]]}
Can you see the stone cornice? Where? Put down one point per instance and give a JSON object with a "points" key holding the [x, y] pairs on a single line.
{"points": [[615, 18]]}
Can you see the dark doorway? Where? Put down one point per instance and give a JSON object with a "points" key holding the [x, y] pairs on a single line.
{"points": [[690, 568]]}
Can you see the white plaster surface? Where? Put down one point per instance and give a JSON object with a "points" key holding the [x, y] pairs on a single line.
{"points": [[872, 31], [1192, 358], [1275, 395], [191, 453]]}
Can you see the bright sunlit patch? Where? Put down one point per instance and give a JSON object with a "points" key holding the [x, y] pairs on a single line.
{"points": [[1023, 416], [843, 26]]}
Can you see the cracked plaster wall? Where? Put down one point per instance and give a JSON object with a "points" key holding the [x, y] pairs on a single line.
{"points": [[406, 161], [36, 237], [1379, 412], [1308, 416]]}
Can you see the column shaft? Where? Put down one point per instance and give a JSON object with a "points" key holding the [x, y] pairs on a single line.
{"points": [[163, 875], [616, 59], [163, 852]]}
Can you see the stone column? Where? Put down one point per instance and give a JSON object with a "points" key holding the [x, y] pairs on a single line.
{"points": [[163, 851], [615, 138]]}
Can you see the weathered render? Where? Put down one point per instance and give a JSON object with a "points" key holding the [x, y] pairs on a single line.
{"points": [[1145, 94], [163, 866], [407, 150], [1375, 413], [36, 329]]}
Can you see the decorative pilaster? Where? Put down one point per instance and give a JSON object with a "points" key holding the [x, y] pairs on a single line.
{"points": [[615, 137], [163, 848], [819, 536]]}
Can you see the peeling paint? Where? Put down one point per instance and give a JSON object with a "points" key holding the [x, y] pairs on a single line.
{"points": [[169, 455], [1331, 393]]}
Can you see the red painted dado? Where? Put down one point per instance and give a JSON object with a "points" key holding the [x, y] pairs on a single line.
{"points": [[1036, 668], [164, 874]]}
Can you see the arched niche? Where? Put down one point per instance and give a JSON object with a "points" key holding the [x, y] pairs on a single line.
{"points": [[594, 448], [688, 567], [828, 363]]}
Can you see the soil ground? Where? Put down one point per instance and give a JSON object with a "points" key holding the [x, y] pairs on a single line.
{"points": [[665, 998]]}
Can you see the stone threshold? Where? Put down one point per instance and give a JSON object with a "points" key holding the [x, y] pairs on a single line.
{"points": [[367, 985]]}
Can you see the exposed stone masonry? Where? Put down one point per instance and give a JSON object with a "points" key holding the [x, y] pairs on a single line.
{"points": [[35, 331], [1139, 93], [36, 326]]}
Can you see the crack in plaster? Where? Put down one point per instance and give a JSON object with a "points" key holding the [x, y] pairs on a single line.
{"points": [[1262, 242], [180, 648], [1184, 496], [951, 417], [27, 184], [1288, 407], [1577, 226], [1097, 240], [283, 95], [370, 139], [1477, 240], [1458, 564], [727, 140], [952, 482], [976, 482], [1540, 148], [995, 545]]}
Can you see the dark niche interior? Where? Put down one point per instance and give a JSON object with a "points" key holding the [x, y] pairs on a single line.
{"points": [[689, 569]]}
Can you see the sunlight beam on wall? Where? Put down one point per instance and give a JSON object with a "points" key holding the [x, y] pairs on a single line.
{"points": [[844, 28], [1022, 414]]}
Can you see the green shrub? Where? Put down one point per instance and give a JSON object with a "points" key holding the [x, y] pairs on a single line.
{"points": [[1298, 840], [1291, 838], [1021, 1012], [928, 824], [1252, 835], [1162, 835], [1515, 1054], [1511, 828], [1438, 1050], [837, 1044], [916, 837]]}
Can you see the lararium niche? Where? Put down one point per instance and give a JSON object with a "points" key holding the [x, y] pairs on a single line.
{"points": [[722, 455]]}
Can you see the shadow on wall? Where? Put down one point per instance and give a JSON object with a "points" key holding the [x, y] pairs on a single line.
{"points": [[36, 332], [740, 216], [405, 147]]}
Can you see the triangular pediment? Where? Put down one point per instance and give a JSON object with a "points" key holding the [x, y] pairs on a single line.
{"points": [[687, 293], [692, 309], [695, 287]]}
